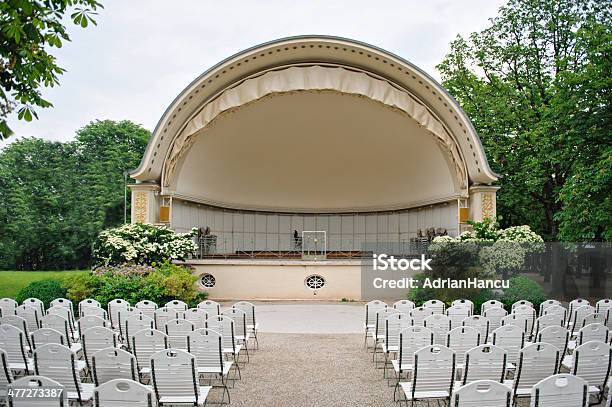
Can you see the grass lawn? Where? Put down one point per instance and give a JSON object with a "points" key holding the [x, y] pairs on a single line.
{"points": [[13, 281]]}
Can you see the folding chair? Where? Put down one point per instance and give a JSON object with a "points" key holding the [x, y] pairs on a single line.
{"points": [[123, 393], [457, 313], [207, 347], [577, 303], [8, 306], [212, 308], [545, 321], [31, 316], [558, 310], [66, 313], [378, 332], [529, 313], [596, 318], [240, 324], [136, 323], [225, 326], [163, 315], [484, 362], [411, 339], [394, 323], [536, 362], [177, 331], [439, 325], [197, 317], [95, 339], [15, 345], [371, 309], [88, 302], [520, 321], [577, 318], [144, 344], [37, 304], [57, 396], [419, 314], [113, 311], [6, 375], [113, 363], [560, 390], [44, 336], [558, 336], [62, 302], [90, 321], [464, 303], [521, 302], [490, 304], [61, 324], [592, 363], [437, 306], [603, 305], [177, 305], [86, 311], [547, 304], [147, 307], [592, 332], [480, 323], [404, 306], [122, 315], [510, 338], [460, 340], [433, 376], [252, 324], [57, 362], [17, 322], [480, 393], [495, 315], [175, 378]]}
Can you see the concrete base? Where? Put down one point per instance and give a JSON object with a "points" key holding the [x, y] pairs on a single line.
{"points": [[271, 280]]}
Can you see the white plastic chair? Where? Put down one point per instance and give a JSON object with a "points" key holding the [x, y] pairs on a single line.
{"points": [[197, 317], [404, 306], [147, 307], [511, 338], [596, 318], [88, 302], [548, 304], [394, 323], [175, 378], [14, 343], [36, 303], [557, 310], [377, 333], [136, 323], [480, 323], [144, 344], [529, 313], [90, 321], [481, 393], [212, 308], [547, 320], [6, 375], [207, 347], [577, 318], [577, 303], [490, 304], [464, 303], [8, 306], [57, 362], [537, 361], [177, 331], [460, 340], [252, 323], [240, 325], [457, 313], [95, 339], [591, 361], [57, 394], [591, 332], [113, 363], [123, 393], [225, 326], [411, 339], [419, 314], [44, 336], [17, 322], [437, 306], [557, 336], [66, 313], [484, 362], [123, 315], [521, 302], [86, 311], [178, 305], [113, 311], [560, 390], [61, 324], [439, 325], [62, 302], [371, 310], [520, 321], [603, 305], [163, 315], [433, 376], [31, 316], [495, 315]]}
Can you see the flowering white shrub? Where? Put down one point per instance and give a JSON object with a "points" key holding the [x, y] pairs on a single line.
{"points": [[142, 244]]}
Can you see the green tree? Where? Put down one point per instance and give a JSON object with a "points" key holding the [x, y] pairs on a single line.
{"points": [[59, 196], [537, 86], [28, 29]]}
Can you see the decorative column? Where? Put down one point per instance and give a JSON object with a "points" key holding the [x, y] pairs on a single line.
{"points": [[145, 203], [483, 202]]}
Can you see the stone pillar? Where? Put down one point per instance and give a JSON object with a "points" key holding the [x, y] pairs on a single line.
{"points": [[483, 202], [145, 203]]}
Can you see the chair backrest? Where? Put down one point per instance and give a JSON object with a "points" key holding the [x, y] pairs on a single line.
{"points": [[547, 304], [177, 331], [419, 314], [145, 343], [163, 315], [603, 305], [90, 321], [6, 375], [36, 303], [560, 390], [434, 369], [439, 325], [593, 332], [95, 339], [44, 336], [177, 305], [174, 374], [58, 397], [380, 317], [480, 323], [557, 310], [394, 323], [495, 315], [464, 303], [207, 347], [520, 321], [88, 302], [490, 304], [13, 341], [197, 316], [547, 320], [521, 302], [240, 320], [224, 326], [59, 323], [57, 362], [123, 315], [529, 313], [404, 306], [484, 362], [578, 315], [557, 336], [436, 305], [64, 312], [123, 393], [537, 361], [211, 307], [412, 339], [596, 318], [135, 323], [462, 339], [16, 321], [113, 363], [592, 362], [8, 306], [249, 310], [457, 313], [577, 303], [86, 311], [511, 338], [113, 311], [31, 316], [147, 307], [482, 393], [61, 302]]}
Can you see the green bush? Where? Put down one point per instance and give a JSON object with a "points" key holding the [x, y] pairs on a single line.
{"points": [[45, 290], [523, 288]]}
